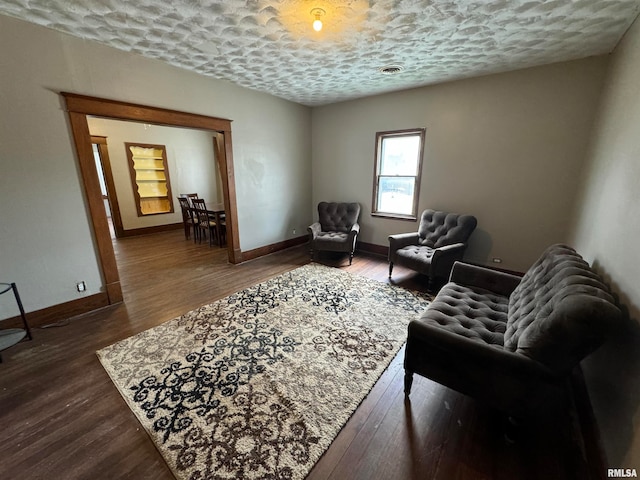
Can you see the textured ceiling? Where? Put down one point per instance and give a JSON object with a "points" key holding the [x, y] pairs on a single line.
{"points": [[269, 45]]}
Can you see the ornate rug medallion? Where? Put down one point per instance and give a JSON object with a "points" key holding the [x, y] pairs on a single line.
{"points": [[258, 384]]}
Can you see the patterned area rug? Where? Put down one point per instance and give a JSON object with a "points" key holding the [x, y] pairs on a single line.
{"points": [[258, 384]]}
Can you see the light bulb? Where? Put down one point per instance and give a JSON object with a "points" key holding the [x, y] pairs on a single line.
{"points": [[317, 14]]}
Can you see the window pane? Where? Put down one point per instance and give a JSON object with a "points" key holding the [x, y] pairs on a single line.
{"points": [[395, 195], [396, 185], [399, 155]]}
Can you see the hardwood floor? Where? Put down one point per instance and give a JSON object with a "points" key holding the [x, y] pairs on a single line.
{"points": [[62, 418]]}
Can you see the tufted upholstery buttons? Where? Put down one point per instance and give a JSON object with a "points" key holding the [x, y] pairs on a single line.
{"points": [[560, 272], [338, 217], [415, 257], [560, 310], [474, 314], [332, 236], [441, 228]]}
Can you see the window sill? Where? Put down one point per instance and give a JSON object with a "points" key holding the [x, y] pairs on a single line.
{"points": [[395, 216]]}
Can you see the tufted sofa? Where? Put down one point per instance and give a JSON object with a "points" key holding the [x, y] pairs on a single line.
{"points": [[337, 228], [510, 341], [441, 239]]}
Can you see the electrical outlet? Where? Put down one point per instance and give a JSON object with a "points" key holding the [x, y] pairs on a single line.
{"points": [[293, 231], [81, 287], [497, 260]]}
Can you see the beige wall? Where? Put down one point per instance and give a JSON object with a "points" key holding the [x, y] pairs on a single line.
{"points": [[607, 233], [45, 235], [508, 148]]}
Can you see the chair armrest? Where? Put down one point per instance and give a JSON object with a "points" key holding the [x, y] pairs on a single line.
{"points": [[481, 277], [401, 240], [455, 249], [499, 363], [314, 229], [355, 230]]}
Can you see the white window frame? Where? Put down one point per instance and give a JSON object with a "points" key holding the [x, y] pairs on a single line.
{"points": [[380, 137]]}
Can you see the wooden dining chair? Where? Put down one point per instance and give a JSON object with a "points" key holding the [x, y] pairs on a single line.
{"points": [[191, 196], [222, 228], [188, 218], [206, 224]]}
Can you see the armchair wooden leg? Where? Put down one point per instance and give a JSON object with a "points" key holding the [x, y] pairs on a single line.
{"points": [[408, 381], [390, 268], [350, 258]]}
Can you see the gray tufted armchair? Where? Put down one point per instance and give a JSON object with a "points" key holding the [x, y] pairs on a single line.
{"points": [[441, 239], [336, 229]]}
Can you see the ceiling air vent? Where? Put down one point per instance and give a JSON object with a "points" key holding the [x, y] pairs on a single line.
{"points": [[391, 69]]}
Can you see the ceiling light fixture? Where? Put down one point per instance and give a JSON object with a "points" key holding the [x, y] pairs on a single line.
{"points": [[317, 23]]}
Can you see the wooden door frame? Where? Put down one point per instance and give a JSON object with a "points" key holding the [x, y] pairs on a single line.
{"points": [[107, 173], [79, 107]]}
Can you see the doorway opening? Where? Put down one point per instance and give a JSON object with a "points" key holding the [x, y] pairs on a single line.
{"points": [[80, 107]]}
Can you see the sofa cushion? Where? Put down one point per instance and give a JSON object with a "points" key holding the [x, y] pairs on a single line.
{"points": [[560, 311], [471, 313], [327, 238], [415, 257], [441, 228]]}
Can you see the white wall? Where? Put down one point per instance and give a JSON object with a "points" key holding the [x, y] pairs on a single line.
{"points": [[607, 234], [507, 148], [45, 236], [190, 158]]}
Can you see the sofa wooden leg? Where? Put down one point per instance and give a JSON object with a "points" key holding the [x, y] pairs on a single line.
{"points": [[408, 381], [390, 268]]}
